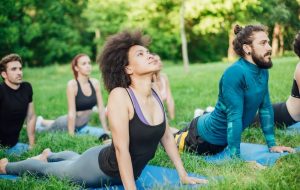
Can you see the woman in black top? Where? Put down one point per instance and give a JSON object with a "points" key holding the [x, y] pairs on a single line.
{"points": [[137, 122], [83, 93]]}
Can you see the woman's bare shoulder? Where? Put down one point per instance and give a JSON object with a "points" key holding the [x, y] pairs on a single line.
{"points": [[72, 83], [118, 92]]}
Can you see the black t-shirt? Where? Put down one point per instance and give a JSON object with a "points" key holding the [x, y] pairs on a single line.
{"points": [[13, 110]]}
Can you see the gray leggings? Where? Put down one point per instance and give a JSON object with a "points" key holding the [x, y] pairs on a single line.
{"points": [[81, 169], [60, 124]]}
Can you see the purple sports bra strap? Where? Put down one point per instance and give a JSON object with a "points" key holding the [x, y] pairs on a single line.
{"points": [[158, 99], [136, 106]]}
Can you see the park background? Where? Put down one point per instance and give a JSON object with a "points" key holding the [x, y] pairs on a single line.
{"points": [[48, 34], [53, 31]]}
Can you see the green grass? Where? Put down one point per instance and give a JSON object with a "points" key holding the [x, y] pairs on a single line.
{"points": [[198, 88]]}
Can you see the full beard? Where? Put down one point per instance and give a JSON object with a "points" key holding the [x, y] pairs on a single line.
{"points": [[260, 62]]}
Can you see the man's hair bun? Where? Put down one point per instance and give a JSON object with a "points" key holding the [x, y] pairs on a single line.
{"points": [[237, 29]]}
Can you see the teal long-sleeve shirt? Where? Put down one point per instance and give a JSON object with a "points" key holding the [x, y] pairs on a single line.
{"points": [[243, 89]]}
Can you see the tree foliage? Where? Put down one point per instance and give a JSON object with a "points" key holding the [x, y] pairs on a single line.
{"points": [[46, 32], [43, 32]]}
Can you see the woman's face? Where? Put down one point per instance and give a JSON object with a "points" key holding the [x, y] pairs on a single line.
{"points": [[84, 66], [141, 61], [157, 58]]}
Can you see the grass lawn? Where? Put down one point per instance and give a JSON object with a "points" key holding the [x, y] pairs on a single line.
{"points": [[198, 88]]}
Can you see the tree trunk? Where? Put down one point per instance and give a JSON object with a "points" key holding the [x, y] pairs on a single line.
{"points": [[281, 48], [183, 39], [230, 52], [275, 40]]}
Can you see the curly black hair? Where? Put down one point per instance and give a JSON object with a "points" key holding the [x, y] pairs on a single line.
{"points": [[114, 57], [297, 44], [245, 36]]}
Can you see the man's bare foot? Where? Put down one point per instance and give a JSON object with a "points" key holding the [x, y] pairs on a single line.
{"points": [[3, 163], [43, 156]]}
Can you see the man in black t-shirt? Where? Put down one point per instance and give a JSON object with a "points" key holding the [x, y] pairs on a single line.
{"points": [[15, 105]]}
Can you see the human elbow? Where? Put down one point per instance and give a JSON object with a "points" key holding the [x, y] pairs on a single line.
{"points": [[71, 116], [121, 149]]}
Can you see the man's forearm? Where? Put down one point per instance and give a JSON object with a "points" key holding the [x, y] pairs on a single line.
{"points": [[31, 130], [267, 125]]}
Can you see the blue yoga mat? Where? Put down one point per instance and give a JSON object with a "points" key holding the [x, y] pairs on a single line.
{"points": [[156, 176], [10, 177], [293, 129], [250, 152], [152, 176]]}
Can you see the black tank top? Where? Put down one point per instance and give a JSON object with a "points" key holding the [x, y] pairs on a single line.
{"points": [[143, 142], [295, 90], [85, 102]]}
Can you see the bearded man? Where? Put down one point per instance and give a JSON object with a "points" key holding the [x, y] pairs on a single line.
{"points": [[243, 90]]}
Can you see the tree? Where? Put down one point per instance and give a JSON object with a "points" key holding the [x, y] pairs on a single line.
{"points": [[13, 20], [183, 38], [214, 17], [43, 32], [105, 18], [160, 20], [282, 16]]}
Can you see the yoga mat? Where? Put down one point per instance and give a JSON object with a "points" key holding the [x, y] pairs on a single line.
{"points": [[152, 176], [293, 129], [10, 177], [250, 152], [156, 176]]}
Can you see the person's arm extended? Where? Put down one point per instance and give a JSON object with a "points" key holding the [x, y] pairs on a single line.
{"points": [[30, 125], [170, 100], [100, 105], [71, 107], [266, 116], [118, 118], [169, 144], [233, 96]]}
